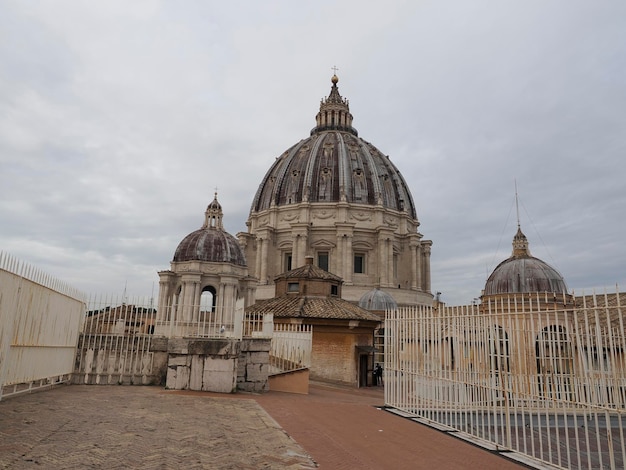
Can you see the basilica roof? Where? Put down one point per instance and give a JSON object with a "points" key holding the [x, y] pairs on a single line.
{"points": [[334, 165], [211, 242], [521, 273]]}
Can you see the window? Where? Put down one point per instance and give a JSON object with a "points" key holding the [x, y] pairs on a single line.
{"points": [[322, 260], [359, 263], [334, 290], [287, 264], [293, 287]]}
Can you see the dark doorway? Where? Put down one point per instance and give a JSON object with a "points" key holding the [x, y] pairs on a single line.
{"points": [[363, 370]]}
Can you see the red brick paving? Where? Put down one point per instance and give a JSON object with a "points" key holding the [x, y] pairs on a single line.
{"points": [[343, 429]]}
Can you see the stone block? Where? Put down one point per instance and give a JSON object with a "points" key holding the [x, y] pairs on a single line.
{"points": [[196, 372], [219, 375], [158, 343], [182, 378], [214, 347], [178, 346], [256, 373], [170, 381], [259, 358], [175, 360], [256, 344]]}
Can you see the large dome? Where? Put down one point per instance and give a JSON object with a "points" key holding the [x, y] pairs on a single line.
{"points": [[523, 273], [334, 165], [211, 242]]}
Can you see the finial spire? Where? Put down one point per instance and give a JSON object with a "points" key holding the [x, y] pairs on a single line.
{"points": [[516, 203], [334, 111], [520, 242]]}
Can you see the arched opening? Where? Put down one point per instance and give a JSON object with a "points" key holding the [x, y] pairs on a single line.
{"points": [[208, 300]]}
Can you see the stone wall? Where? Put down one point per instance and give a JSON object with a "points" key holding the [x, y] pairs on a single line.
{"points": [[253, 367], [212, 365], [209, 365]]}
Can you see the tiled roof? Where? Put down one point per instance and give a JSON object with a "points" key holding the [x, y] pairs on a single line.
{"points": [[289, 306]]}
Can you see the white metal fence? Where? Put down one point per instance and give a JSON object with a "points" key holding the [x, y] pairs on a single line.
{"points": [[201, 321], [114, 345], [291, 347], [39, 322], [547, 383]]}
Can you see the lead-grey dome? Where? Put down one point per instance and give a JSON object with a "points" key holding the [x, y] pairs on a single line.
{"points": [[334, 165], [377, 299], [211, 242], [524, 273]]}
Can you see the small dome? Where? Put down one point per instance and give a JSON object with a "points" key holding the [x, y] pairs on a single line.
{"points": [[524, 273], [377, 299], [211, 242]]}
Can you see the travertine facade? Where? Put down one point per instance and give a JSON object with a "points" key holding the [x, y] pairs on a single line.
{"points": [[337, 198]]}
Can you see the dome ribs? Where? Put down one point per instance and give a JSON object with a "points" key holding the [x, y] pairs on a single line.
{"points": [[334, 165], [522, 273]]}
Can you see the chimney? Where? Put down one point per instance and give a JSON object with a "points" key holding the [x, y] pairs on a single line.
{"points": [[308, 260]]}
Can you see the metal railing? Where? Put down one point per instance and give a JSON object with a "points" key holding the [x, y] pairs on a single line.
{"points": [[291, 347], [548, 383]]}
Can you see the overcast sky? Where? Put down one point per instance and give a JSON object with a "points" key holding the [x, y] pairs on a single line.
{"points": [[119, 119]]}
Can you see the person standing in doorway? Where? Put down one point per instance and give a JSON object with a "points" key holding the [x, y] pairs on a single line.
{"points": [[378, 373]]}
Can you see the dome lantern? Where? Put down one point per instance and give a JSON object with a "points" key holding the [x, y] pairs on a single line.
{"points": [[213, 215], [334, 113]]}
